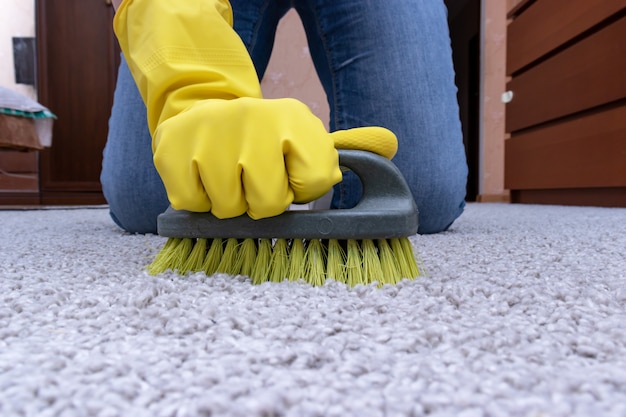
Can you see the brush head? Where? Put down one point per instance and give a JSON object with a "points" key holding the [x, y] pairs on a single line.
{"points": [[367, 243]]}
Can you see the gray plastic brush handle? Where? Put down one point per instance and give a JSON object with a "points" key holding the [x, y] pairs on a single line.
{"points": [[386, 210]]}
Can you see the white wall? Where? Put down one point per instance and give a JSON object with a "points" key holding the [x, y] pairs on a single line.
{"points": [[17, 19], [492, 110], [290, 72]]}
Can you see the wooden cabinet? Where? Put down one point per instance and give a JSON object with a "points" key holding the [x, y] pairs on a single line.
{"points": [[19, 179], [77, 61], [567, 116]]}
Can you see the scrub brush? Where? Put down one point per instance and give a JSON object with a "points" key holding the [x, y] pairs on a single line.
{"points": [[362, 245]]}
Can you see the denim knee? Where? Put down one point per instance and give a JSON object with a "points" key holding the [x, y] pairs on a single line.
{"points": [[130, 182], [437, 215], [132, 207]]}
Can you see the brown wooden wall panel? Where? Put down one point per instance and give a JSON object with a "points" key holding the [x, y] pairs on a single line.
{"points": [[18, 182], [584, 152], [16, 161], [18, 172], [516, 7], [55, 198], [588, 74], [19, 199], [549, 24]]}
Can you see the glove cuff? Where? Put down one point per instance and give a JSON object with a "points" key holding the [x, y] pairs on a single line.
{"points": [[180, 52]]}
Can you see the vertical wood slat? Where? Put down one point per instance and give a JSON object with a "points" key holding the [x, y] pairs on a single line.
{"points": [[549, 24]]}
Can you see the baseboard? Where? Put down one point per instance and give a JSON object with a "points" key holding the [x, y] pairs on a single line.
{"points": [[494, 198], [600, 197], [67, 198], [18, 198]]}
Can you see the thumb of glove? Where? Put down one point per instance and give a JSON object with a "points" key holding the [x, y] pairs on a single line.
{"points": [[374, 139]]}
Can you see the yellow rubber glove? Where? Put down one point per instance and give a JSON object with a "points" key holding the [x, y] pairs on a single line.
{"points": [[258, 156], [218, 145], [373, 139]]}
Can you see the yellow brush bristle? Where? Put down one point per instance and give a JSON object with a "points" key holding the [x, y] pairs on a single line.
{"points": [[315, 263], [280, 261], [180, 253], [354, 264], [161, 262], [336, 261], [213, 257], [228, 263], [296, 260], [406, 253], [196, 257], [403, 266], [372, 271], [247, 256], [388, 264], [261, 268]]}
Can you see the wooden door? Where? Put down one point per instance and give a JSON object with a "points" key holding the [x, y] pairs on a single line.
{"points": [[78, 58]]}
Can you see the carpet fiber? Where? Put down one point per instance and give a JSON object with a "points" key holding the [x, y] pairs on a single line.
{"points": [[522, 314]]}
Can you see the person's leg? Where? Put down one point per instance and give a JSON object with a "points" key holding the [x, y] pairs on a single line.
{"points": [[130, 183], [390, 64], [255, 22]]}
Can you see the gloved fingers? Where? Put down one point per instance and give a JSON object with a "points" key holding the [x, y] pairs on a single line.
{"points": [[184, 189], [312, 174], [240, 171], [222, 182], [374, 139], [199, 175], [311, 160], [265, 183]]}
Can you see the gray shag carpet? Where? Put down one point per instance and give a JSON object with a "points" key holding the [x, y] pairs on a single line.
{"points": [[522, 314]]}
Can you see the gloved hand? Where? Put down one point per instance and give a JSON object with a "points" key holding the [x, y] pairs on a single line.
{"points": [[258, 156], [218, 145]]}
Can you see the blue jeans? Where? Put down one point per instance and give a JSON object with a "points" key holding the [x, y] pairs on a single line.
{"points": [[380, 65]]}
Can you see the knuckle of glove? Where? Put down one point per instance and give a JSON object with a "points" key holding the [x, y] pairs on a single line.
{"points": [[313, 180], [177, 170], [266, 209]]}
